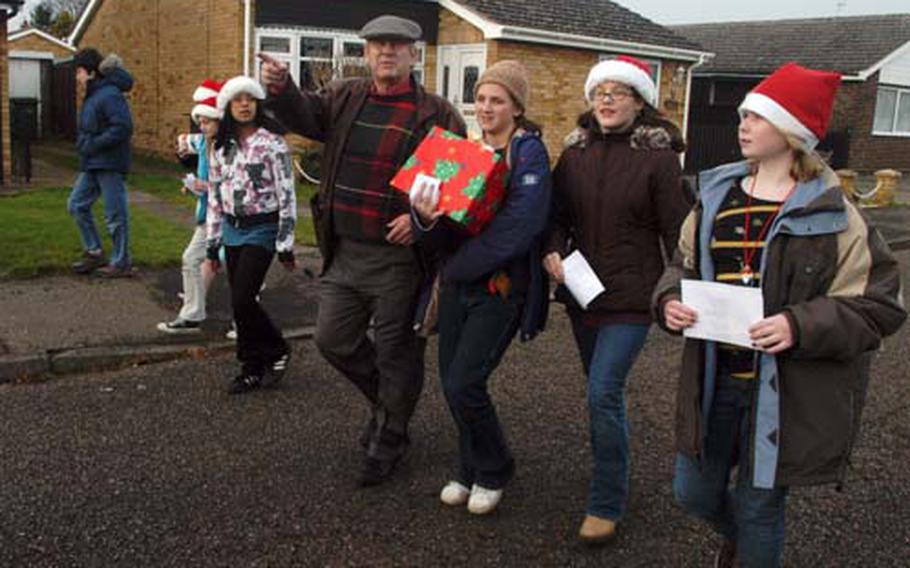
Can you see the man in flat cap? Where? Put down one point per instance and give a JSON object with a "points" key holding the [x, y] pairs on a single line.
{"points": [[372, 272]]}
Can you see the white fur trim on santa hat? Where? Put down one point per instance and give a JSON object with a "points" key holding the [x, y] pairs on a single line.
{"points": [[202, 93], [773, 112], [207, 111], [621, 72], [237, 85]]}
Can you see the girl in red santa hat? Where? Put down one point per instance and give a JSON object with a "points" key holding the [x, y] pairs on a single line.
{"points": [[618, 201], [783, 412], [197, 277]]}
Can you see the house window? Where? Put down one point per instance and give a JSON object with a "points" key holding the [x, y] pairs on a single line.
{"points": [[892, 112], [471, 76], [281, 48], [653, 63], [316, 61], [316, 57]]}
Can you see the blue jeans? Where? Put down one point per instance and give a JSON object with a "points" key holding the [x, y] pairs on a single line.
{"points": [[753, 518], [609, 352], [111, 187]]}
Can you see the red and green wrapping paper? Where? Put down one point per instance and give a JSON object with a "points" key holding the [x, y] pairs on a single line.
{"points": [[472, 177]]}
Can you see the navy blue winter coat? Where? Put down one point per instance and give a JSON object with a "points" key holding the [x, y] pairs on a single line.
{"points": [[512, 241], [105, 124]]}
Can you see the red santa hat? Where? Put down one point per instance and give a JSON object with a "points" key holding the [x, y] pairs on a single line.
{"points": [[206, 99], [237, 85], [627, 70], [796, 100]]}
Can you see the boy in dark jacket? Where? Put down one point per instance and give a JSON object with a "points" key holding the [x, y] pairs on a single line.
{"points": [[103, 143]]}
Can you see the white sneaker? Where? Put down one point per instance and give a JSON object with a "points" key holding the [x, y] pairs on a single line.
{"points": [[454, 494], [483, 501], [232, 333]]}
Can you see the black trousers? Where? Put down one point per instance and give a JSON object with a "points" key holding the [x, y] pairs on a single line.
{"points": [[475, 329], [259, 342]]}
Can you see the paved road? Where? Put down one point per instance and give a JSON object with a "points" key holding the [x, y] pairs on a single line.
{"points": [[157, 466]]}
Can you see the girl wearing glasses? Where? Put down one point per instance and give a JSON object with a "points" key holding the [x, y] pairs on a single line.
{"points": [[617, 199]]}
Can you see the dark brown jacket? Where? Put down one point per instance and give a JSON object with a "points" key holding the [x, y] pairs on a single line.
{"points": [[839, 285], [327, 116], [617, 198]]}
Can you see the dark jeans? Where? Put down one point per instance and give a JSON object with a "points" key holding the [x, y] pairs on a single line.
{"points": [[608, 353], [475, 328], [259, 342], [754, 518], [375, 283]]}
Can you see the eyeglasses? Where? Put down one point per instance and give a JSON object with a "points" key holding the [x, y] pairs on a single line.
{"points": [[612, 96]]}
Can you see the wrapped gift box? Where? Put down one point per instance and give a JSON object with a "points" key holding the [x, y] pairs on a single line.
{"points": [[472, 177]]}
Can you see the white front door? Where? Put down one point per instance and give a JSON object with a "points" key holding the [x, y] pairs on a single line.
{"points": [[460, 66]]}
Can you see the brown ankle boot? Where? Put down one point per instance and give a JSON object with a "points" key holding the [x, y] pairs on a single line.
{"points": [[595, 530]]}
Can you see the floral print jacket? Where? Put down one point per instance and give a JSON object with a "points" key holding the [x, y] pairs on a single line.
{"points": [[253, 179]]}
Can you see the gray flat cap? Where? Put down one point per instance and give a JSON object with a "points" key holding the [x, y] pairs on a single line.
{"points": [[391, 27]]}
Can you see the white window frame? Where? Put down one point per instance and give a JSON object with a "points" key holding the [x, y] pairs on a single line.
{"points": [[903, 93], [339, 39], [655, 64]]}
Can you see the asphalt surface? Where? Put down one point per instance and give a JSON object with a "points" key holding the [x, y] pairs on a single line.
{"points": [[157, 466]]}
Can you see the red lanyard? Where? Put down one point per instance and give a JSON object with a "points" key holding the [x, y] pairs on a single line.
{"points": [[749, 252]]}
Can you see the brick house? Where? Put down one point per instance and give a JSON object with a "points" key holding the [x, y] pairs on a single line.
{"points": [[169, 45], [32, 54], [8, 9], [870, 129]]}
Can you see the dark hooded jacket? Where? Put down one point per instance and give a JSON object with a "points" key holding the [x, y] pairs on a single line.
{"points": [[618, 199], [105, 123]]}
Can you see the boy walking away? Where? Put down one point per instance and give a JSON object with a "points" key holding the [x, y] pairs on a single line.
{"points": [[103, 143]]}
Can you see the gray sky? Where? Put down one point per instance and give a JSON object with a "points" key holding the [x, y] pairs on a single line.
{"points": [[691, 11]]}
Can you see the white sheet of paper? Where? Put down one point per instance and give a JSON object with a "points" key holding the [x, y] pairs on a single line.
{"points": [[581, 280], [725, 312], [189, 182], [423, 183]]}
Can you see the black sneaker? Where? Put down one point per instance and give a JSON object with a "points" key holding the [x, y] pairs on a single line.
{"points": [[275, 372], [382, 458], [88, 263], [245, 382], [726, 555], [180, 326]]}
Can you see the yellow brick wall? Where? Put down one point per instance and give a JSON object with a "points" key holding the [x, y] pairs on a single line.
{"points": [[169, 46], [37, 43], [4, 104], [453, 29], [557, 83]]}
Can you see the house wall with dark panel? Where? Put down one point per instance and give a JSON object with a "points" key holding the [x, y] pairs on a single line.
{"points": [[346, 14]]}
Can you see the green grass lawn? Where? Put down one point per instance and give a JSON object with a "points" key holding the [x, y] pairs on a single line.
{"points": [[40, 237], [164, 187]]}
